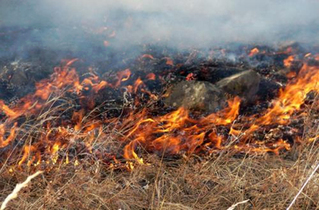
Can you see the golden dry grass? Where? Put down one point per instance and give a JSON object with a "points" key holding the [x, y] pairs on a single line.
{"points": [[215, 182], [269, 182]]}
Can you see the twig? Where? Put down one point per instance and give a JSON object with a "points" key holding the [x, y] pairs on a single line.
{"points": [[16, 190], [303, 186], [236, 204]]}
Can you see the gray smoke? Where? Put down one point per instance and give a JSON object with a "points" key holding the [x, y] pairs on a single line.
{"points": [[183, 23]]}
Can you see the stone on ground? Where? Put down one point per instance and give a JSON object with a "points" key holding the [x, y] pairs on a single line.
{"points": [[196, 95], [244, 85]]}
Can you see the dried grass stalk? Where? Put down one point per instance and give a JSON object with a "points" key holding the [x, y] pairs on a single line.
{"points": [[17, 189], [303, 186], [236, 204]]}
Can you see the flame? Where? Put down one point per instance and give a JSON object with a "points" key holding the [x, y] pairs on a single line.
{"points": [[288, 61], [123, 76], [313, 138], [291, 98], [291, 74], [307, 55], [27, 153], [176, 132], [151, 76], [137, 84], [190, 77], [8, 112], [169, 61], [148, 56], [253, 52], [12, 135], [261, 148]]}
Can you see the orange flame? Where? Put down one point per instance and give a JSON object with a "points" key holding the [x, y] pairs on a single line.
{"points": [[253, 52], [150, 76], [169, 61], [291, 98], [177, 132], [137, 84], [288, 61], [123, 76], [189, 137], [12, 135], [147, 56]]}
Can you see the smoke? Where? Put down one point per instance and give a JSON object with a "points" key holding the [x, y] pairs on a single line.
{"points": [[182, 23]]}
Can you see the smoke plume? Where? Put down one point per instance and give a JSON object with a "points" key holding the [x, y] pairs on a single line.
{"points": [[187, 23]]}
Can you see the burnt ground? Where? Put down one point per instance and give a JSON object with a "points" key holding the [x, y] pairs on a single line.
{"points": [[22, 68]]}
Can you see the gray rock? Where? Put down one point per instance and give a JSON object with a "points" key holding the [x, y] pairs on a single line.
{"points": [[244, 85], [19, 77], [15, 74], [196, 95]]}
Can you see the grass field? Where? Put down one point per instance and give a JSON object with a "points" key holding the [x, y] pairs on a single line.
{"points": [[71, 146], [216, 182]]}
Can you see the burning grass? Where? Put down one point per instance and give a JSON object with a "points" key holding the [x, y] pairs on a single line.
{"points": [[216, 182], [134, 155]]}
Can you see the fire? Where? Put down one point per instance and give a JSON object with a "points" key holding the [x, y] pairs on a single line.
{"points": [[148, 56], [313, 138], [169, 61], [307, 55], [253, 52], [5, 142], [190, 77], [123, 76], [261, 148], [151, 76], [8, 112], [139, 131], [288, 61], [292, 97], [137, 84], [177, 131]]}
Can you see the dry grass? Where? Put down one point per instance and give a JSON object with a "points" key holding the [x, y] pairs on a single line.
{"points": [[216, 182], [269, 182], [17, 189]]}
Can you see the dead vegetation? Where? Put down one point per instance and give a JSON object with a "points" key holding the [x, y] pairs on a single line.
{"points": [[268, 182], [81, 148], [215, 182]]}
